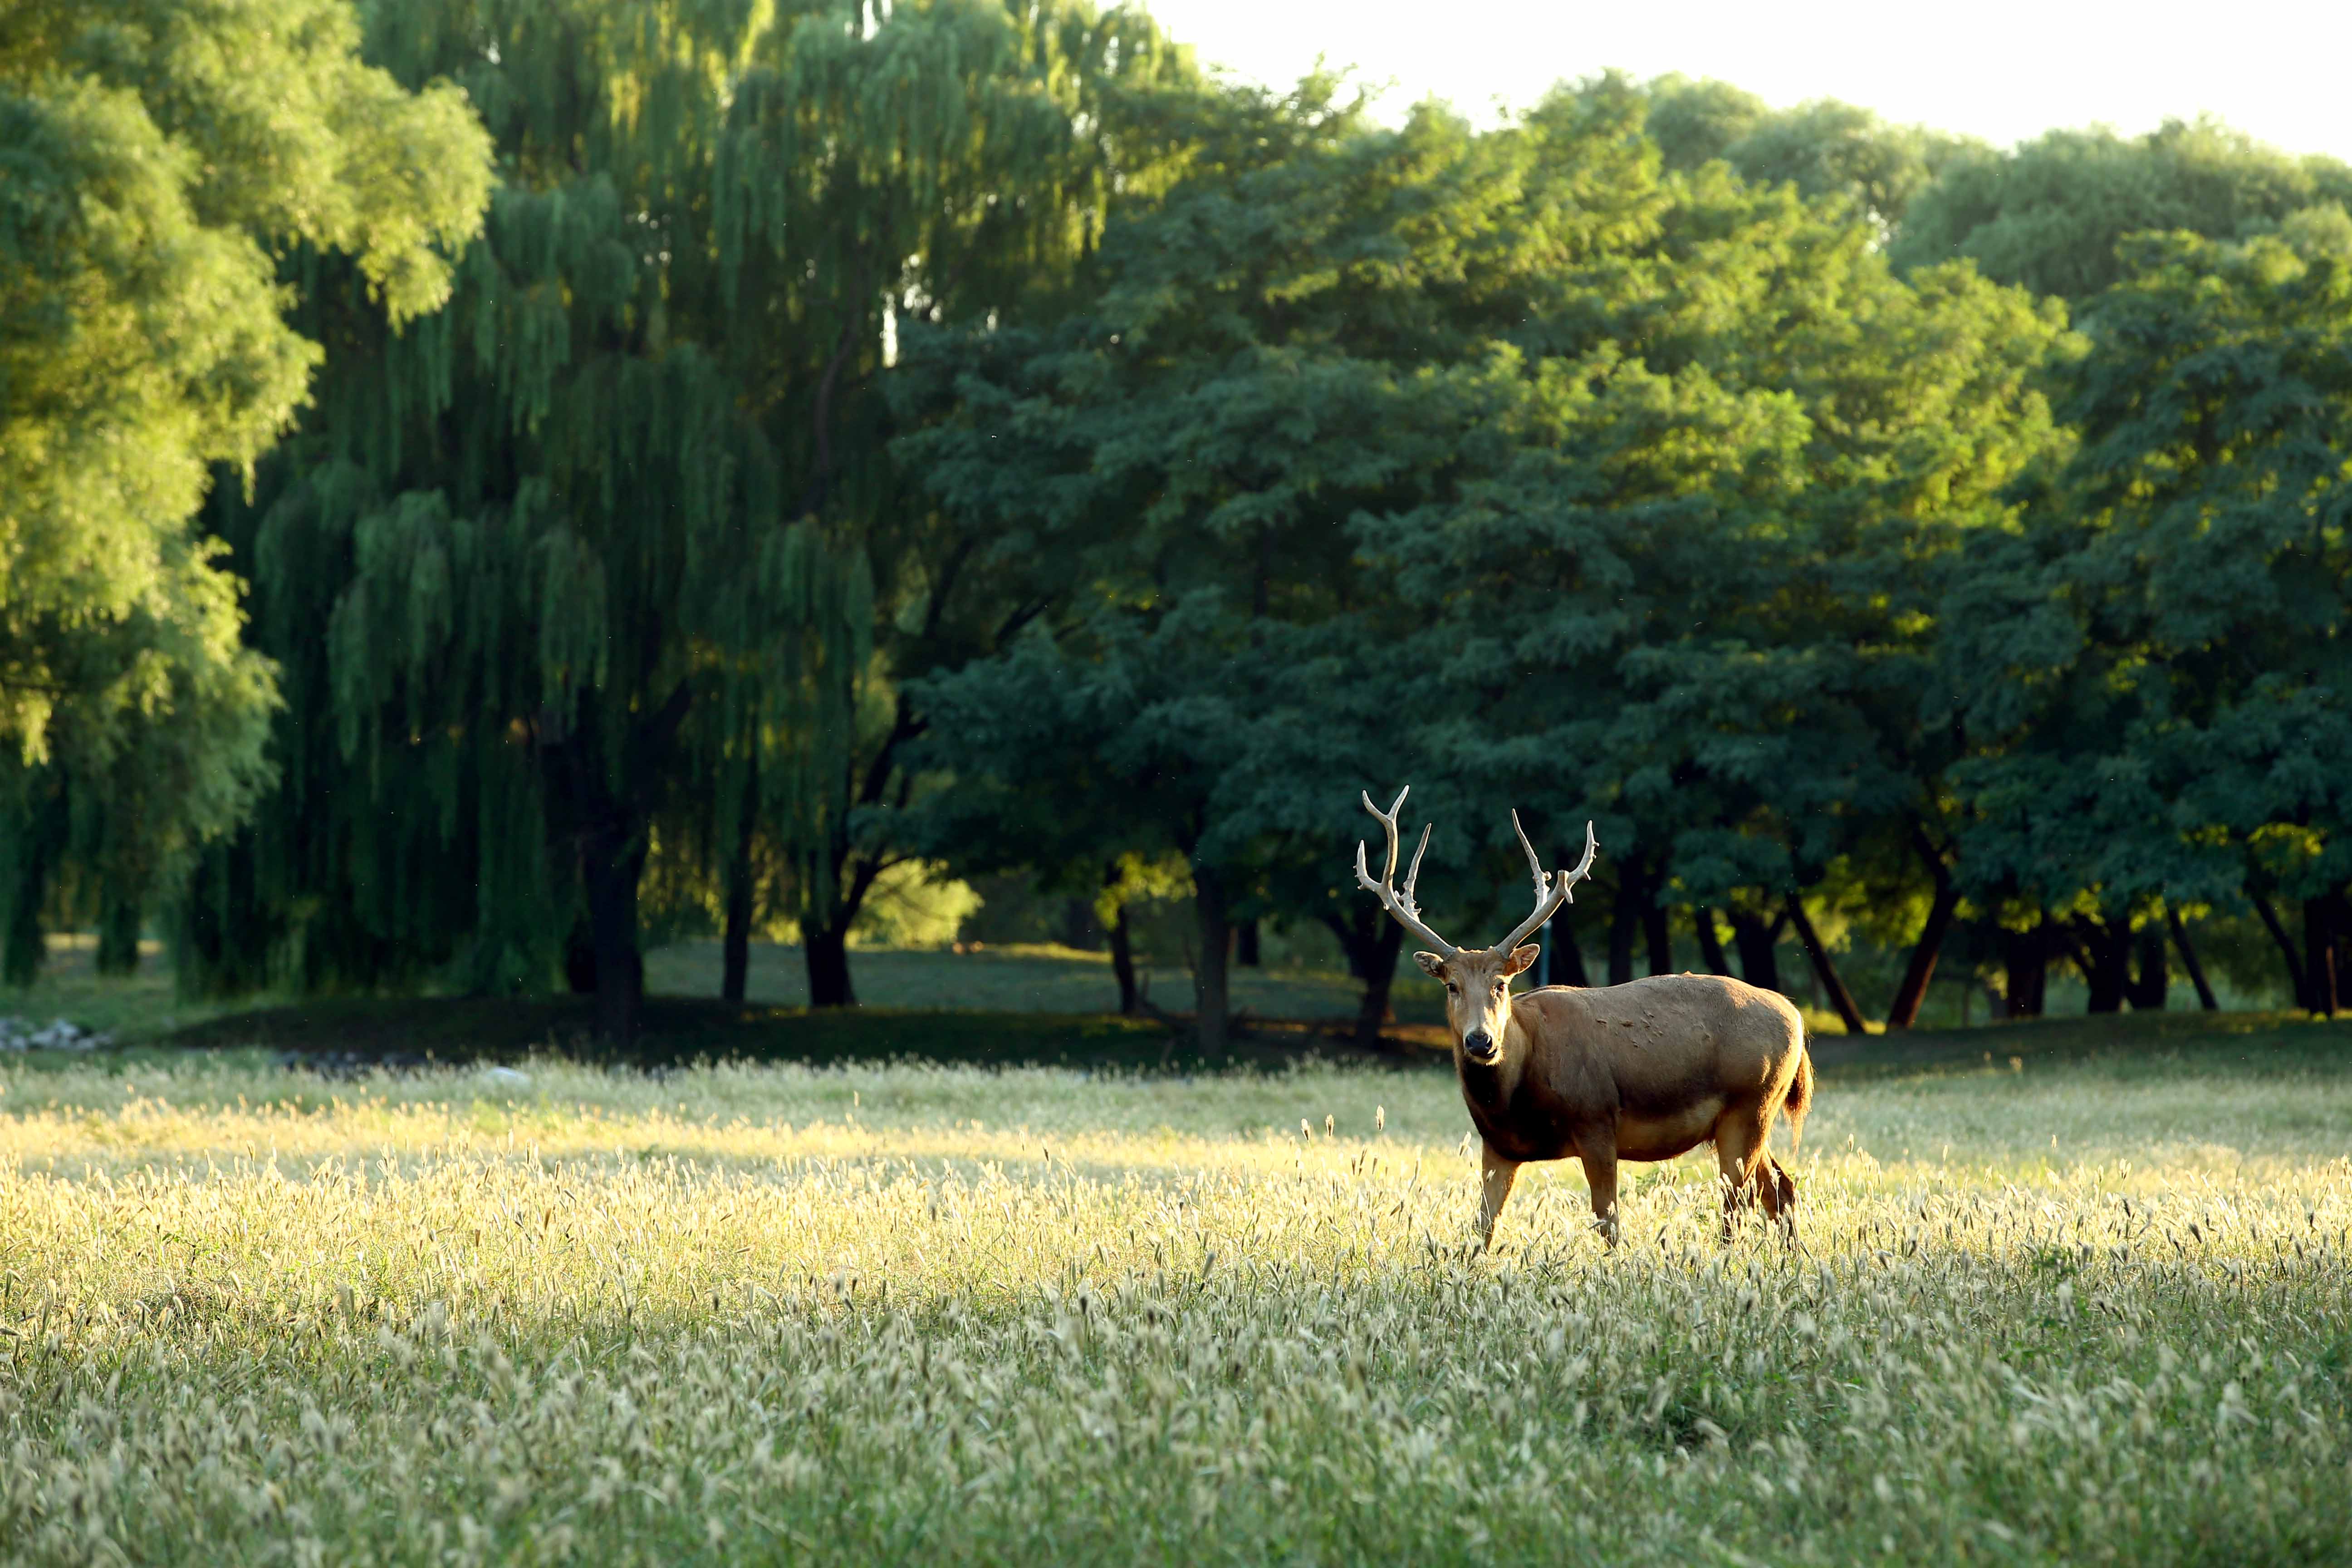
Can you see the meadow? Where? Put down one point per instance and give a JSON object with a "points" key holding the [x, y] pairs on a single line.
{"points": [[2077, 1308]]}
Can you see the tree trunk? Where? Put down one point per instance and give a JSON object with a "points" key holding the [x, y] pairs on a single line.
{"points": [[2189, 960], [1379, 980], [1566, 958], [612, 861], [2105, 961], [25, 944], [1710, 940], [1910, 996], [1660, 941], [1840, 998], [1245, 948], [118, 937], [2026, 957], [2319, 938], [1758, 944], [825, 933], [826, 949], [1210, 990], [735, 948], [2153, 981], [824, 938], [1624, 915], [1372, 942], [2340, 924], [2287, 948], [1122, 963], [579, 960], [605, 826]]}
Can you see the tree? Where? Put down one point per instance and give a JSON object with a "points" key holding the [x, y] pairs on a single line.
{"points": [[1826, 148], [624, 515], [159, 153], [1692, 594], [2156, 664], [885, 184], [1618, 543], [2049, 214], [1287, 338], [1113, 729]]}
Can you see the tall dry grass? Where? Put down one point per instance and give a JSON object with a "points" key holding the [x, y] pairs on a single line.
{"points": [[914, 1314]]}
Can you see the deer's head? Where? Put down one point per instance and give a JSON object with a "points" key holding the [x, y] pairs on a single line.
{"points": [[1477, 980]]}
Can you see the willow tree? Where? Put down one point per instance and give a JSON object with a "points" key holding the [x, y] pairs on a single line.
{"points": [[158, 152], [605, 543], [947, 166]]}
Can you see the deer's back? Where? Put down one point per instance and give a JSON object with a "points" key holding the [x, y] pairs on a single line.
{"points": [[1660, 1041]]}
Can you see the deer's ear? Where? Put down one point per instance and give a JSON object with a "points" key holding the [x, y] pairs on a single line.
{"points": [[1431, 964], [1520, 958]]}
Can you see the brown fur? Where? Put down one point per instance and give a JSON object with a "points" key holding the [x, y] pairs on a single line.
{"points": [[1647, 1070]]}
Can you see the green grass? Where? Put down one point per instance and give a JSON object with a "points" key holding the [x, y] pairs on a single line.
{"points": [[137, 1006], [2093, 1307], [416, 1030], [1039, 1006], [1024, 979]]}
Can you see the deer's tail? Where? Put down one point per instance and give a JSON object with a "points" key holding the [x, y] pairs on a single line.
{"points": [[1800, 1099]]}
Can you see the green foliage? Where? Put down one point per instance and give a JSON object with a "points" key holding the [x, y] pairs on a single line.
{"points": [[1293, 334], [1826, 148], [864, 449], [2050, 215], [158, 155], [914, 904], [623, 515], [2157, 667], [1516, 464]]}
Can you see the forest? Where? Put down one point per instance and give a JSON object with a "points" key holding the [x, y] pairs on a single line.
{"points": [[484, 483]]}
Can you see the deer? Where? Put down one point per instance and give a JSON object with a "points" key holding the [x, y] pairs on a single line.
{"points": [[1647, 1070]]}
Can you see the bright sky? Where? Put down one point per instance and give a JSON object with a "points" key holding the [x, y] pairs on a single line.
{"points": [[2001, 70]]}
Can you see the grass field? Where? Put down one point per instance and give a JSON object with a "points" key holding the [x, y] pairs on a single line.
{"points": [[1027, 979], [2092, 1307], [1033, 1003]]}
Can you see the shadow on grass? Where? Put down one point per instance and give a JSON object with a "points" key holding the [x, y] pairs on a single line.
{"points": [[2126, 1044], [354, 1032]]}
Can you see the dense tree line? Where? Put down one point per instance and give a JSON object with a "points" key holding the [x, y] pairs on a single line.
{"points": [[758, 451]]}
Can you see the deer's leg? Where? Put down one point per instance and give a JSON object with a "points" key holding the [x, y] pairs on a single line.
{"points": [[1597, 1147], [1739, 1156], [1780, 1192], [1495, 1175], [1731, 1165]]}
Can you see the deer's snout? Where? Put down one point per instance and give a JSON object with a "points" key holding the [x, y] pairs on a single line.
{"points": [[1479, 1047]]}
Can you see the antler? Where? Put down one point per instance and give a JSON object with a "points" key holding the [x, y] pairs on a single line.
{"points": [[1400, 905], [1549, 894]]}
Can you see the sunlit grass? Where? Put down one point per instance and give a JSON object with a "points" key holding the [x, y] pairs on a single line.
{"points": [[908, 1313]]}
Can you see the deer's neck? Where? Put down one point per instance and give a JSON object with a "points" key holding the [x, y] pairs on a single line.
{"points": [[1515, 1103], [1488, 1089]]}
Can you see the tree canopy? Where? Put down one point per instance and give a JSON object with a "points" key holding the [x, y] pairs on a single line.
{"points": [[2050, 215], [556, 454]]}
